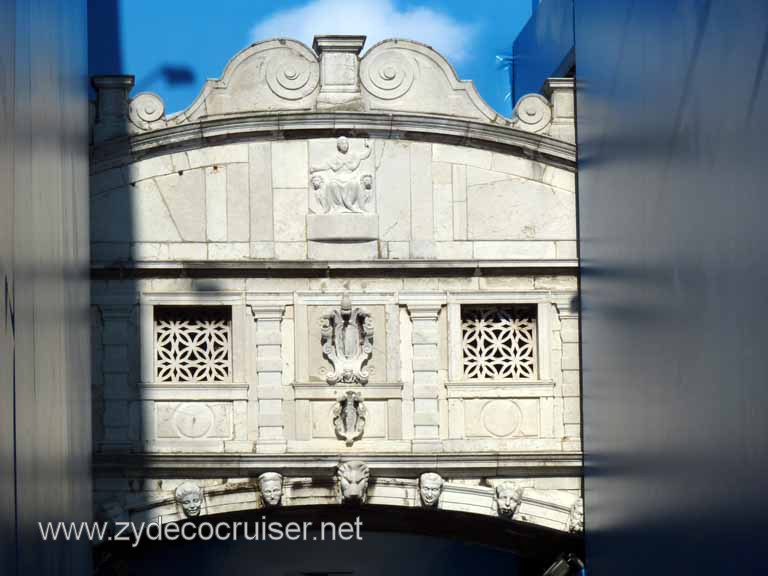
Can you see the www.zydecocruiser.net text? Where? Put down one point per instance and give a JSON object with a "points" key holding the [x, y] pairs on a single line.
{"points": [[255, 530]]}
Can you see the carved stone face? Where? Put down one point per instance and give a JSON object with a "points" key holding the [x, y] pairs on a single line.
{"points": [[190, 497], [353, 481], [342, 145], [271, 489], [576, 520], [367, 181], [317, 182], [508, 498], [430, 488]]}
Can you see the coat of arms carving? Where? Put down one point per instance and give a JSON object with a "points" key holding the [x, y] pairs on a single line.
{"points": [[347, 339], [349, 416]]}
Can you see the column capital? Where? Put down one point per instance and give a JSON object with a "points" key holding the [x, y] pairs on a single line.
{"points": [[424, 310], [262, 311]]}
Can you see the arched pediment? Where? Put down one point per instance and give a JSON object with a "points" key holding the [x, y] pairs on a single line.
{"points": [[283, 76], [268, 76], [406, 76]]}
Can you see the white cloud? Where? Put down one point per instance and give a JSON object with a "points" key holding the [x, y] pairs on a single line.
{"points": [[377, 19]]}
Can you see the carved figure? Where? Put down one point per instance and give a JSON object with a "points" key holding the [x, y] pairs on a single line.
{"points": [[343, 191], [430, 488], [347, 340], [271, 487], [576, 519], [349, 416], [190, 497], [508, 497], [353, 481]]}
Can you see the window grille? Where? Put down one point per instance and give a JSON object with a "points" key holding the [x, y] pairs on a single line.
{"points": [[499, 342], [193, 343]]}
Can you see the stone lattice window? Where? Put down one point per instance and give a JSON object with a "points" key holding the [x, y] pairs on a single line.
{"points": [[499, 342], [193, 343]]}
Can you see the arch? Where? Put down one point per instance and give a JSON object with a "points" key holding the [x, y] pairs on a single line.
{"points": [[392, 540]]}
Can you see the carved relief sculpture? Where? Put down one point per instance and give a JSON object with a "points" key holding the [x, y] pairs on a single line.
{"points": [[353, 481], [430, 488], [508, 497], [347, 339], [343, 188], [271, 487], [349, 416], [576, 519], [190, 497]]}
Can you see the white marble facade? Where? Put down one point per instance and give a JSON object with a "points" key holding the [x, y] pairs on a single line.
{"points": [[329, 258]]}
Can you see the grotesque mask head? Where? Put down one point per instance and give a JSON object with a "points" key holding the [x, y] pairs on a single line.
{"points": [[353, 481], [430, 488], [576, 520], [271, 486], [367, 181], [508, 496], [316, 181], [342, 144], [190, 497]]}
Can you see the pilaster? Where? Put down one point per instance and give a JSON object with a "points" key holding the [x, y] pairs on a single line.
{"points": [[265, 396], [426, 383]]}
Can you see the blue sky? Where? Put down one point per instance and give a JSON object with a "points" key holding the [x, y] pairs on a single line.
{"points": [[202, 36]]}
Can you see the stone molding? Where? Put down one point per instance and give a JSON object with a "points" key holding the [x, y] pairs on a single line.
{"points": [[539, 464], [292, 125], [304, 268]]}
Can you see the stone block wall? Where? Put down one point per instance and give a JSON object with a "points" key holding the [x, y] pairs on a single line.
{"points": [[254, 201], [293, 275]]}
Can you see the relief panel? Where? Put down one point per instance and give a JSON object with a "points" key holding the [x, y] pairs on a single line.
{"points": [[194, 420], [502, 417], [322, 413]]}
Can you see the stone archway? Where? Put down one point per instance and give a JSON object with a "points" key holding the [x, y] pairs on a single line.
{"points": [[391, 540]]}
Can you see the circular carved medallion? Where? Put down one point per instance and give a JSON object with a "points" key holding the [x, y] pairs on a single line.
{"points": [[292, 77], [501, 417], [388, 75], [533, 113], [193, 419], [145, 108]]}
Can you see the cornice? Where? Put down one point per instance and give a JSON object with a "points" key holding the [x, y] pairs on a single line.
{"points": [[321, 268], [211, 131], [532, 464]]}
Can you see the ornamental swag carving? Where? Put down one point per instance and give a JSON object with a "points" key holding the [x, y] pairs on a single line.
{"points": [[349, 416], [347, 340]]}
